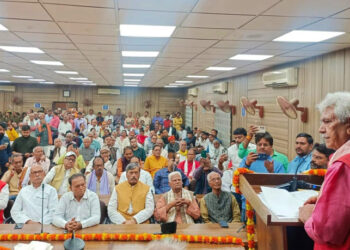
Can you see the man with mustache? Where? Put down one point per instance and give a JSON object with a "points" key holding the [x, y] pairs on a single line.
{"points": [[326, 216], [303, 148], [320, 156], [131, 201]]}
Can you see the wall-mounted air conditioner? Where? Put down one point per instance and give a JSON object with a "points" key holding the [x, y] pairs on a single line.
{"points": [[281, 78], [193, 92], [103, 91], [220, 88], [7, 88]]}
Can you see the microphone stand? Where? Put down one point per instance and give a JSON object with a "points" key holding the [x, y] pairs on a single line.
{"points": [[295, 184], [42, 208]]}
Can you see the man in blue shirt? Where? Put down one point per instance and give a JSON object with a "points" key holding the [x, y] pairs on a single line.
{"points": [[303, 147], [262, 162], [161, 181], [157, 118]]}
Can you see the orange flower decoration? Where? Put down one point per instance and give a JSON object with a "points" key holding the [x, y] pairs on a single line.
{"points": [[318, 172], [236, 175], [122, 237]]}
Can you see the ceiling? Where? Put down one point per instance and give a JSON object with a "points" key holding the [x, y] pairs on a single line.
{"points": [[84, 36]]}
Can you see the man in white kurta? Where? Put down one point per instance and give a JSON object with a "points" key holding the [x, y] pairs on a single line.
{"points": [[28, 205], [79, 208], [131, 216]]}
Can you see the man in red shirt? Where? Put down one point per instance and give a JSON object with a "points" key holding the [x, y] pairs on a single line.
{"points": [[188, 166], [166, 122]]}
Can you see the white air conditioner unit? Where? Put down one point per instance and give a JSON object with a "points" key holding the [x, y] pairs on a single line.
{"points": [[108, 91], [220, 88], [193, 92], [7, 88], [281, 78]]}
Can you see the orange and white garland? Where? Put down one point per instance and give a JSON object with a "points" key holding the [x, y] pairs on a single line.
{"points": [[124, 237], [249, 210]]}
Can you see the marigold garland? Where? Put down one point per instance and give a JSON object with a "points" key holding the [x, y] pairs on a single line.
{"points": [[249, 210], [318, 172], [236, 174], [124, 237]]}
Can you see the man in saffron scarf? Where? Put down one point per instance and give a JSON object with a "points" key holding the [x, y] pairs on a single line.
{"points": [[99, 180], [327, 216], [183, 150], [124, 161], [178, 204]]}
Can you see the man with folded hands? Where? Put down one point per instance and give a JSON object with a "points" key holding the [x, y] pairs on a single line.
{"points": [[79, 208]]}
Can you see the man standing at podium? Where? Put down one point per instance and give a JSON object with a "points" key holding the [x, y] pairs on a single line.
{"points": [[327, 216]]}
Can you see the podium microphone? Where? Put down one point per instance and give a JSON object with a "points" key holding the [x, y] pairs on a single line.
{"points": [[42, 208]]}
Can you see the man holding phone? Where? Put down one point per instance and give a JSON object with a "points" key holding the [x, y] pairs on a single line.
{"points": [[262, 161], [243, 150], [5, 149]]}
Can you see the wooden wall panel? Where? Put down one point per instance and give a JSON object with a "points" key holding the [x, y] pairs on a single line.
{"points": [[317, 77], [130, 99]]}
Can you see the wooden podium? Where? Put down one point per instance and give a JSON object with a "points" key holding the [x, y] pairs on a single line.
{"points": [[271, 231]]}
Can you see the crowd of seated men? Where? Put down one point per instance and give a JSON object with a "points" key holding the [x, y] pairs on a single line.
{"points": [[152, 170]]}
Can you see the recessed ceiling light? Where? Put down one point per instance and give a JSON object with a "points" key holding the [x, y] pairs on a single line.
{"points": [[24, 77], [85, 81], [307, 36], [36, 80], [3, 28], [47, 82], [184, 81], [5, 81], [4, 70], [137, 66], [54, 63], [170, 86], [146, 30], [196, 76], [67, 72], [140, 53], [132, 74], [176, 84], [221, 68], [22, 49], [78, 78], [89, 83], [130, 85], [249, 57], [132, 80]]}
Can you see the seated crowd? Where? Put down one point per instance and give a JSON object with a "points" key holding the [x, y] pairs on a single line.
{"points": [[151, 169]]}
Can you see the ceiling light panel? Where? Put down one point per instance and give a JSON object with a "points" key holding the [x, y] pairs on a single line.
{"points": [[220, 68], [307, 36], [22, 49], [146, 30], [140, 53], [250, 57], [53, 63]]}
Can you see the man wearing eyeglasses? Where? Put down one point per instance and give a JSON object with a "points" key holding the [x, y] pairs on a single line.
{"points": [[59, 175], [28, 205]]}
